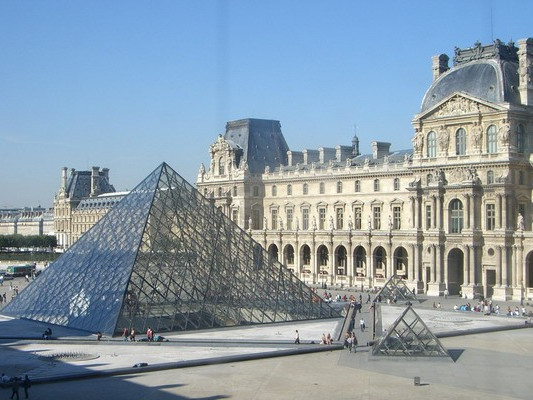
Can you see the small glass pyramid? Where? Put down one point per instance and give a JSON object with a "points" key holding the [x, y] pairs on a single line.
{"points": [[166, 258], [409, 336], [395, 288]]}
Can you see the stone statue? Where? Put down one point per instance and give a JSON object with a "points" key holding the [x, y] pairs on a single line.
{"points": [[313, 225], [280, 224], [265, 223], [267, 169], [444, 138], [477, 135], [250, 223], [390, 223], [418, 141], [505, 132], [369, 220], [296, 224], [520, 222], [331, 224], [350, 223], [202, 169]]}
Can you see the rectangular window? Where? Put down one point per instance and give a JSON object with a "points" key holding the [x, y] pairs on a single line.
{"points": [[274, 219], [377, 217], [357, 217], [396, 218], [256, 191], [321, 218], [305, 219], [340, 218], [235, 216], [256, 219], [428, 217], [289, 219], [491, 217]]}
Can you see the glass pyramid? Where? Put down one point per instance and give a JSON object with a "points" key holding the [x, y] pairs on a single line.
{"points": [[165, 258], [396, 288], [409, 336]]}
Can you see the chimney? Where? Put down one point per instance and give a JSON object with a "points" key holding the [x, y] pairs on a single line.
{"points": [[95, 190], [440, 65], [525, 70], [64, 178], [380, 149], [105, 172]]}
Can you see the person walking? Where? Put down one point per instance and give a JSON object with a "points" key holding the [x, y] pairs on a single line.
{"points": [[15, 384], [26, 384], [296, 337], [362, 324]]}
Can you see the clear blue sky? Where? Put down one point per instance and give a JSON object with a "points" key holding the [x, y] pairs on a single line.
{"points": [[129, 84]]}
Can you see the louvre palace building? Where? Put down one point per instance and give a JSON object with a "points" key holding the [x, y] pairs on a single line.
{"points": [[452, 213]]}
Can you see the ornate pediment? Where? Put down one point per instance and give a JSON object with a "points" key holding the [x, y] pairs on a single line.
{"points": [[458, 104]]}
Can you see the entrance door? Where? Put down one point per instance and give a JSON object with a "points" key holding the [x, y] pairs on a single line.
{"points": [[490, 278], [428, 277]]}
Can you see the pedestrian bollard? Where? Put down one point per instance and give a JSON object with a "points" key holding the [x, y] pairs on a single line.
{"points": [[417, 381]]}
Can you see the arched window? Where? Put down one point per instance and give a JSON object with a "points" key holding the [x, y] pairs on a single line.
{"points": [[490, 177], [221, 166], [306, 188], [520, 139], [339, 187], [460, 142], [396, 183], [376, 185], [429, 178], [322, 188], [289, 190], [456, 216], [357, 186], [492, 139], [432, 144], [274, 190]]}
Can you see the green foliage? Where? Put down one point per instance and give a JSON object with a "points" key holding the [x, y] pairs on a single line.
{"points": [[33, 241]]}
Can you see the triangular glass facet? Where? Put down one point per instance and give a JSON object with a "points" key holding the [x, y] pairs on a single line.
{"points": [[166, 258], [409, 336]]}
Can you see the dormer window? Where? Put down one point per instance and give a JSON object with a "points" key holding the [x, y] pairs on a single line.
{"points": [[221, 166]]}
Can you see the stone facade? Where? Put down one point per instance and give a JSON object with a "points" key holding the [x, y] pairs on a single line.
{"points": [[27, 221], [83, 198], [452, 213]]}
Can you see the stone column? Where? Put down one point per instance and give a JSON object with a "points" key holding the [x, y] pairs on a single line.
{"points": [[438, 211], [499, 270], [472, 260], [505, 257], [438, 263], [504, 211], [413, 214], [520, 267], [498, 211], [468, 211], [390, 267], [433, 266], [467, 267]]}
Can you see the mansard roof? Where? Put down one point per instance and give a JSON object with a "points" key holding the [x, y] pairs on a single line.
{"points": [[487, 72], [79, 184], [261, 140]]}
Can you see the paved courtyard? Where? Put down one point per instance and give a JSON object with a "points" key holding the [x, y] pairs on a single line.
{"points": [[262, 362]]}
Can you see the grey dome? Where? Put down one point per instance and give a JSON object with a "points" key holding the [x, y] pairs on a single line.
{"points": [[495, 81]]}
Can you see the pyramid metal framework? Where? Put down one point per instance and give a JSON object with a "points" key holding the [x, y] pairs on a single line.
{"points": [[165, 257], [396, 287], [409, 336]]}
